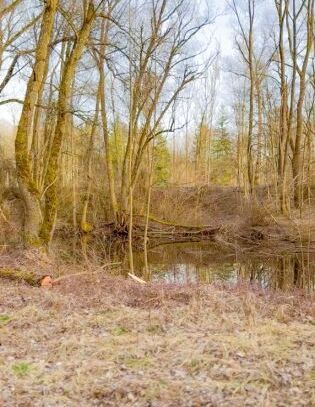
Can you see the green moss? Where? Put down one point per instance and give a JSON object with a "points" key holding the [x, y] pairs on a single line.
{"points": [[51, 204], [32, 241], [86, 227], [22, 163]]}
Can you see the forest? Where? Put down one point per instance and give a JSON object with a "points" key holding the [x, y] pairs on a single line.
{"points": [[157, 210]]}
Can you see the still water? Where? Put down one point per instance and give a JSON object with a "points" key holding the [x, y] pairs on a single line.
{"points": [[206, 262]]}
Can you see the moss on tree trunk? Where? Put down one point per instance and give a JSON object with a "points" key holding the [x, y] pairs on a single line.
{"points": [[51, 197], [28, 190]]}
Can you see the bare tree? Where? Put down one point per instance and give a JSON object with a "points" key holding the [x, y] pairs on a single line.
{"points": [[245, 47], [27, 187], [67, 79]]}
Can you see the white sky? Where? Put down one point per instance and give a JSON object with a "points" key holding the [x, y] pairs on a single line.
{"points": [[221, 31]]}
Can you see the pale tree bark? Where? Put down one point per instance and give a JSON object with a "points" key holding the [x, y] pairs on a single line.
{"points": [[298, 141], [108, 153], [85, 226], [250, 46], [285, 118], [147, 212], [258, 163], [246, 50], [240, 120], [35, 139]]}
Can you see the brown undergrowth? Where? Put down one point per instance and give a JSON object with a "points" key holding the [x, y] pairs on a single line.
{"points": [[187, 213], [101, 341]]}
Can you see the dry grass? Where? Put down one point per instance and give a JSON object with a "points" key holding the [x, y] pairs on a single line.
{"points": [[110, 342]]}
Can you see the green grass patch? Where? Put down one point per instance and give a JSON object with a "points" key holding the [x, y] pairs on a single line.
{"points": [[155, 389], [120, 330], [312, 376], [155, 329], [22, 369], [195, 365], [137, 363], [5, 319]]}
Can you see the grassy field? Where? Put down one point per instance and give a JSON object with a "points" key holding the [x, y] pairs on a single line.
{"points": [[110, 342]]}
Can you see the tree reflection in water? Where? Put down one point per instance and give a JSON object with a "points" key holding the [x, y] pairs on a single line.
{"points": [[206, 262]]}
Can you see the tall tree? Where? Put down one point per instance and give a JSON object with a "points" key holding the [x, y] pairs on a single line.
{"points": [[245, 47], [63, 107], [28, 190]]}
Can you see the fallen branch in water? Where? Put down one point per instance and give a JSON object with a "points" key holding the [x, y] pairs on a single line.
{"points": [[137, 279]]}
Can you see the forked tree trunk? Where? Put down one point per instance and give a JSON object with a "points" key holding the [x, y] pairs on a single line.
{"points": [[28, 190], [51, 197]]}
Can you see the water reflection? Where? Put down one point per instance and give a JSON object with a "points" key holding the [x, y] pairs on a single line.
{"points": [[207, 262], [204, 262]]}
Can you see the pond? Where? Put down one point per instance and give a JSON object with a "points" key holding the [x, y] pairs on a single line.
{"points": [[207, 262]]}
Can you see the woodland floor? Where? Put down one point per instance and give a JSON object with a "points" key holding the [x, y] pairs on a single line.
{"points": [[112, 342]]}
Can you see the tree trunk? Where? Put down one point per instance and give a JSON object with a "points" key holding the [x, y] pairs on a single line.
{"points": [[51, 198], [251, 100], [85, 226], [108, 155], [28, 190]]}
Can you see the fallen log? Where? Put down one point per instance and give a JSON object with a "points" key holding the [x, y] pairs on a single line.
{"points": [[46, 280], [18, 275], [177, 232], [159, 229]]}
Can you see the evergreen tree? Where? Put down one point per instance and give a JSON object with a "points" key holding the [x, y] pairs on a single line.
{"points": [[223, 170]]}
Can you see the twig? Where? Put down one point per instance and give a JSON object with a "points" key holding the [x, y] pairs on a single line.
{"points": [[84, 272]]}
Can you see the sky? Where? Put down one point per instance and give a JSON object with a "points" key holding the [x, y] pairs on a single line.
{"points": [[220, 31]]}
